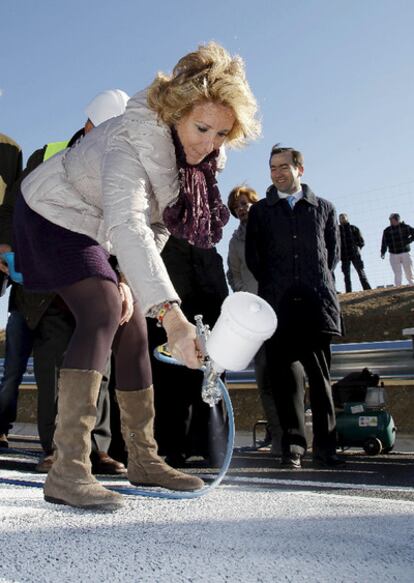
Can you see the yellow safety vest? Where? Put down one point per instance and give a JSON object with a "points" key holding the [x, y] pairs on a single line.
{"points": [[53, 148]]}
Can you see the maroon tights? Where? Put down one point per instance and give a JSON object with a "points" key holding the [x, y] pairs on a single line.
{"points": [[96, 306]]}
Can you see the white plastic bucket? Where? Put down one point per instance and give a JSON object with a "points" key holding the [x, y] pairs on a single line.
{"points": [[245, 322], [375, 397]]}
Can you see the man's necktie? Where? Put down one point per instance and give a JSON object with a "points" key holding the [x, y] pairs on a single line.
{"points": [[291, 201]]}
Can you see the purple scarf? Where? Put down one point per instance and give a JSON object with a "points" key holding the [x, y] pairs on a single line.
{"points": [[198, 215]]}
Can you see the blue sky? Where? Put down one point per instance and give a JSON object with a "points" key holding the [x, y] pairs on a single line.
{"points": [[332, 78]]}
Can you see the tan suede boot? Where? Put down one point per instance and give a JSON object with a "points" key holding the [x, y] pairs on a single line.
{"points": [[70, 480], [145, 467]]}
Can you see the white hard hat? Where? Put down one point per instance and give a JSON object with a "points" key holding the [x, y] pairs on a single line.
{"points": [[105, 105]]}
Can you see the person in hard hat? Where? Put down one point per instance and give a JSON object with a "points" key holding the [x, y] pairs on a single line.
{"points": [[105, 105], [42, 323], [154, 167]]}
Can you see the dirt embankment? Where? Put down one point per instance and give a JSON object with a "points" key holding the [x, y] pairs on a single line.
{"points": [[369, 316], [378, 314]]}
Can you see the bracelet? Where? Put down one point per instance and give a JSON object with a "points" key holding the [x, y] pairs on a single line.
{"points": [[160, 311]]}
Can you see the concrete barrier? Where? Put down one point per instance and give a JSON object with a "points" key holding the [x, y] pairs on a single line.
{"points": [[248, 408], [392, 360]]}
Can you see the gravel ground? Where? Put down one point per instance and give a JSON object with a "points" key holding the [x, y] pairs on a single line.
{"points": [[235, 533]]}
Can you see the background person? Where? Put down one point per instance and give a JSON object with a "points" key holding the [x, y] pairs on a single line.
{"points": [[182, 417], [351, 244], [240, 278], [397, 239], [292, 248], [11, 165], [111, 190]]}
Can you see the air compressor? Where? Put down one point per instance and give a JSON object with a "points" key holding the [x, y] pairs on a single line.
{"points": [[362, 419]]}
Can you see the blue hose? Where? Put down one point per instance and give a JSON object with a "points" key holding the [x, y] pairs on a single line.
{"points": [[174, 495], [170, 495]]}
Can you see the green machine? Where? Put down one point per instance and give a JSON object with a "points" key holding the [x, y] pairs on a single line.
{"points": [[362, 419]]}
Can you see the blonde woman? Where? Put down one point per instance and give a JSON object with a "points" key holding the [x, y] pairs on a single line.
{"points": [[116, 190]]}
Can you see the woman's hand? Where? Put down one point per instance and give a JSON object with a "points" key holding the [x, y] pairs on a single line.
{"points": [[182, 338], [127, 303]]}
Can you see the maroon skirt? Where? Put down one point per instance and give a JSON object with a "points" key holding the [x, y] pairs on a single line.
{"points": [[51, 257]]}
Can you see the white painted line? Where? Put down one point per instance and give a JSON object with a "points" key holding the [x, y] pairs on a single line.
{"points": [[311, 483]]}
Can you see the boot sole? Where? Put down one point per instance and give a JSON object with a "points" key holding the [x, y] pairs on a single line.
{"points": [[110, 507]]}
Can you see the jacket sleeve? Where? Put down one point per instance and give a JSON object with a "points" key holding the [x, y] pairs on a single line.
{"points": [[359, 240], [252, 238], [126, 191], [6, 216], [7, 208], [410, 233], [234, 276], [384, 243], [10, 171], [161, 235], [10, 164], [332, 239]]}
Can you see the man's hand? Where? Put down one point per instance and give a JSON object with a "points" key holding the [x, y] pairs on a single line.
{"points": [[382, 255]]}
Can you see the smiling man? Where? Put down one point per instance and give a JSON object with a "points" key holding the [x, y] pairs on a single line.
{"points": [[292, 247]]}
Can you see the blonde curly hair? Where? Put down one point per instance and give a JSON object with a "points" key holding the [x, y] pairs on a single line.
{"points": [[207, 74]]}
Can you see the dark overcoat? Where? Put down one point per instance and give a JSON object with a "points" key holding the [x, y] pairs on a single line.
{"points": [[293, 253]]}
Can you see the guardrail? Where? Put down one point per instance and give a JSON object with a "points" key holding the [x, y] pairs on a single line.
{"points": [[390, 359], [28, 377]]}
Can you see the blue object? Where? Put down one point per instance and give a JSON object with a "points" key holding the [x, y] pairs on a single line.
{"points": [[13, 274], [291, 200]]}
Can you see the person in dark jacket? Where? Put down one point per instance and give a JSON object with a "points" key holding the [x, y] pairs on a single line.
{"points": [[397, 239], [182, 422], [42, 323], [240, 201], [11, 165], [292, 248], [351, 243]]}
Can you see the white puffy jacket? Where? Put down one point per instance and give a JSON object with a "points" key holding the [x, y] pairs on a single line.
{"points": [[113, 186]]}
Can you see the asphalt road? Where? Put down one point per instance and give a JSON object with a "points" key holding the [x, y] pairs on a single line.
{"points": [[386, 476]]}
